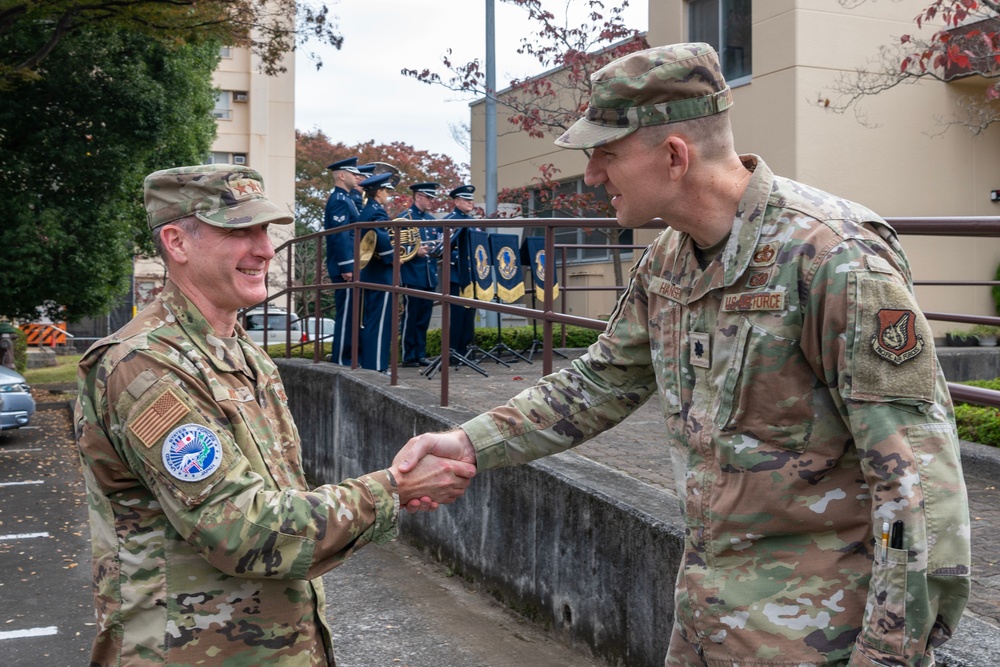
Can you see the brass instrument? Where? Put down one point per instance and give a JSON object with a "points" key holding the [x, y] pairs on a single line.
{"points": [[408, 242], [369, 240]]}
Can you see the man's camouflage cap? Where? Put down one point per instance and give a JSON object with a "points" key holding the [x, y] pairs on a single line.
{"points": [[222, 195], [661, 85]]}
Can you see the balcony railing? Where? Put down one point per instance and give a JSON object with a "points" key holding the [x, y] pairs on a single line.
{"points": [[971, 227]]}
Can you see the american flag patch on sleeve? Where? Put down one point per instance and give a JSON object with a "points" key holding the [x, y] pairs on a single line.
{"points": [[153, 422]]}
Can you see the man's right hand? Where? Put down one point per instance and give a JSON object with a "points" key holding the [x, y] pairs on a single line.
{"points": [[347, 277], [454, 444], [432, 481]]}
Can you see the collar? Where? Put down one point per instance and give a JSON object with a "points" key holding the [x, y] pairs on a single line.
{"points": [[199, 332], [745, 234]]}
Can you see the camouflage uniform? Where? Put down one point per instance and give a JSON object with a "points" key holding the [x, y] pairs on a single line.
{"points": [[207, 542], [804, 406]]}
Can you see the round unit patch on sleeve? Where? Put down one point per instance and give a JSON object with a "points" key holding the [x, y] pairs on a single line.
{"points": [[192, 452]]}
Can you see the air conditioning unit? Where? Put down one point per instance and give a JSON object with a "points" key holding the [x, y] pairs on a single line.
{"points": [[239, 158], [240, 96]]}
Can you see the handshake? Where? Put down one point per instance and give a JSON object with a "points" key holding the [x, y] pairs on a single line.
{"points": [[434, 469]]}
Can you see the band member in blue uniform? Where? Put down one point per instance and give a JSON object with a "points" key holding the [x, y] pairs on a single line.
{"points": [[358, 193], [420, 273], [340, 211], [376, 336], [463, 320]]}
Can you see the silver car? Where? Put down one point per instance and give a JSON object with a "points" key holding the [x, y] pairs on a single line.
{"points": [[16, 402]]}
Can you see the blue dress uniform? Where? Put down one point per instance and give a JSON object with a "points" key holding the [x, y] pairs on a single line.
{"points": [[376, 336], [340, 211], [462, 330], [419, 273]]}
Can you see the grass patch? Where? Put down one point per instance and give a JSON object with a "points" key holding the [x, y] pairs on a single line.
{"points": [[62, 373]]}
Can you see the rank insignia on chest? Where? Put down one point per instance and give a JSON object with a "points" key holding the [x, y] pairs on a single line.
{"points": [[700, 349], [896, 338], [764, 255]]}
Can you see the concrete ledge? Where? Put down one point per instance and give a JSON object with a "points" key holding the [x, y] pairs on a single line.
{"points": [[580, 548], [961, 364]]}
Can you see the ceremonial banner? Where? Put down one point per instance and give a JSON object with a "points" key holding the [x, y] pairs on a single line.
{"points": [[481, 265], [533, 255], [464, 262], [506, 260]]}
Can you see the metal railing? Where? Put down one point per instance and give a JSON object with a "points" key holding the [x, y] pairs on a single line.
{"points": [[982, 227]]}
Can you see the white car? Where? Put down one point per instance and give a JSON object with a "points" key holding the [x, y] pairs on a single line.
{"points": [[309, 329], [279, 321]]}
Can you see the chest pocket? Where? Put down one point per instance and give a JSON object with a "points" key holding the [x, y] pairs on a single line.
{"points": [[768, 391], [258, 436], [666, 323]]}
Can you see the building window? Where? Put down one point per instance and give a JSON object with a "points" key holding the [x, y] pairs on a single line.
{"points": [[217, 157], [223, 105], [226, 52], [725, 24]]}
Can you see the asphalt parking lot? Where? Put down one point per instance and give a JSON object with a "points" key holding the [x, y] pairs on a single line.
{"points": [[47, 617]]}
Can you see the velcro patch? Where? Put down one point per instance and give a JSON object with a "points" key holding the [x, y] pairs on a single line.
{"points": [[241, 188], [159, 416], [878, 264], [889, 357], [764, 255], [748, 301], [669, 290]]}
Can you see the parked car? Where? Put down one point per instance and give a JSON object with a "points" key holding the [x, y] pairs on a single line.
{"points": [[17, 405], [278, 321], [309, 329]]}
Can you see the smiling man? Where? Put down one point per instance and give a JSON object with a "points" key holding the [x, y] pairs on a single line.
{"points": [[207, 543], [804, 405]]}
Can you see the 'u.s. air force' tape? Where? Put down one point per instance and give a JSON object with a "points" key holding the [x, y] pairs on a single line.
{"points": [[192, 452]]}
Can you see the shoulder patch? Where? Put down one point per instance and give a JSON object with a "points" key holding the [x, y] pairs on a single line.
{"points": [[192, 452], [159, 416], [891, 357]]}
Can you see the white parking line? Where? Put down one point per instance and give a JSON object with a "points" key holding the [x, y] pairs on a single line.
{"points": [[30, 632], [18, 451], [36, 481], [22, 536]]}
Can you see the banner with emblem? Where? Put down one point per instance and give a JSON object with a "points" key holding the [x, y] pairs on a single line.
{"points": [[533, 255], [506, 260], [465, 263], [482, 266]]}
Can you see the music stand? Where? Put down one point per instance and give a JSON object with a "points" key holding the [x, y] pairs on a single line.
{"points": [[536, 343], [461, 360], [501, 347]]}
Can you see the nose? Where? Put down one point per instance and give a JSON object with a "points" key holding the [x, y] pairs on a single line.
{"points": [[262, 246], [595, 173]]}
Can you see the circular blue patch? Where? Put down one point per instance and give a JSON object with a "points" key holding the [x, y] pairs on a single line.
{"points": [[192, 452]]}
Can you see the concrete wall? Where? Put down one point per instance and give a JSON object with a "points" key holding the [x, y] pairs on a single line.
{"points": [[577, 547]]}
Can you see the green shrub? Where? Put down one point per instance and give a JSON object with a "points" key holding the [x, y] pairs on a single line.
{"points": [[978, 423], [518, 338]]}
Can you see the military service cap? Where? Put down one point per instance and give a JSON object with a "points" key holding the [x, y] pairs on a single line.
{"points": [[661, 85], [350, 165], [429, 189], [378, 181], [463, 192], [367, 169], [221, 195]]}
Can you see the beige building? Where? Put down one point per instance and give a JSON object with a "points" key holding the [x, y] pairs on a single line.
{"points": [[256, 127], [780, 57]]}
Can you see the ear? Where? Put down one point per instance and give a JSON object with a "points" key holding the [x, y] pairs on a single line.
{"points": [[678, 156], [176, 243]]}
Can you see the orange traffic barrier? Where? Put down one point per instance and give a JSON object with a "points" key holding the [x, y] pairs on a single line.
{"points": [[45, 334]]}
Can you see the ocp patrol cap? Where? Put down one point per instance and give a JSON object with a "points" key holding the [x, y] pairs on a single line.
{"points": [[221, 195], [665, 84]]}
